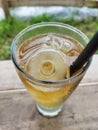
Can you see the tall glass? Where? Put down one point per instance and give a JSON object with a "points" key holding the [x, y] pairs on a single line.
{"points": [[49, 95]]}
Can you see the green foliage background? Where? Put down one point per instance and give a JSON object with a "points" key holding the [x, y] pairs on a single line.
{"points": [[11, 26]]}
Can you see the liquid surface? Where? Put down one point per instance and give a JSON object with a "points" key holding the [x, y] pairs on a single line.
{"points": [[48, 56]]}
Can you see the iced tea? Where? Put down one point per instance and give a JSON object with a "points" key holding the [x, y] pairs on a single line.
{"points": [[48, 57], [42, 54]]}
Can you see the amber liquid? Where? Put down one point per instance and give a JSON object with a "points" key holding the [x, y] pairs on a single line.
{"points": [[47, 96]]}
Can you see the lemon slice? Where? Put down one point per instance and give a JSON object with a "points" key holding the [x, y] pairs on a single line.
{"points": [[48, 64]]}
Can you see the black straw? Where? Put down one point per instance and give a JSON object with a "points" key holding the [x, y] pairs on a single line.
{"points": [[87, 53]]}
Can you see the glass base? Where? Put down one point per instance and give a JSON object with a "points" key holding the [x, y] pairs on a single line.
{"points": [[51, 112]]}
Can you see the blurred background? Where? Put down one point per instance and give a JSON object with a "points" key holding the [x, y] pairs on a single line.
{"points": [[15, 15]]}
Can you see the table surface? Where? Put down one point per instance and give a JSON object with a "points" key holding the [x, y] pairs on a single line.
{"points": [[18, 111]]}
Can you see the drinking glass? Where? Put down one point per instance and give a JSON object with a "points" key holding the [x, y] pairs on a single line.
{"points": [[49, 95]]}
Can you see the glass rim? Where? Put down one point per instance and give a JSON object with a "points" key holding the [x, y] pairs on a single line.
{"points": [[54, 82]]}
